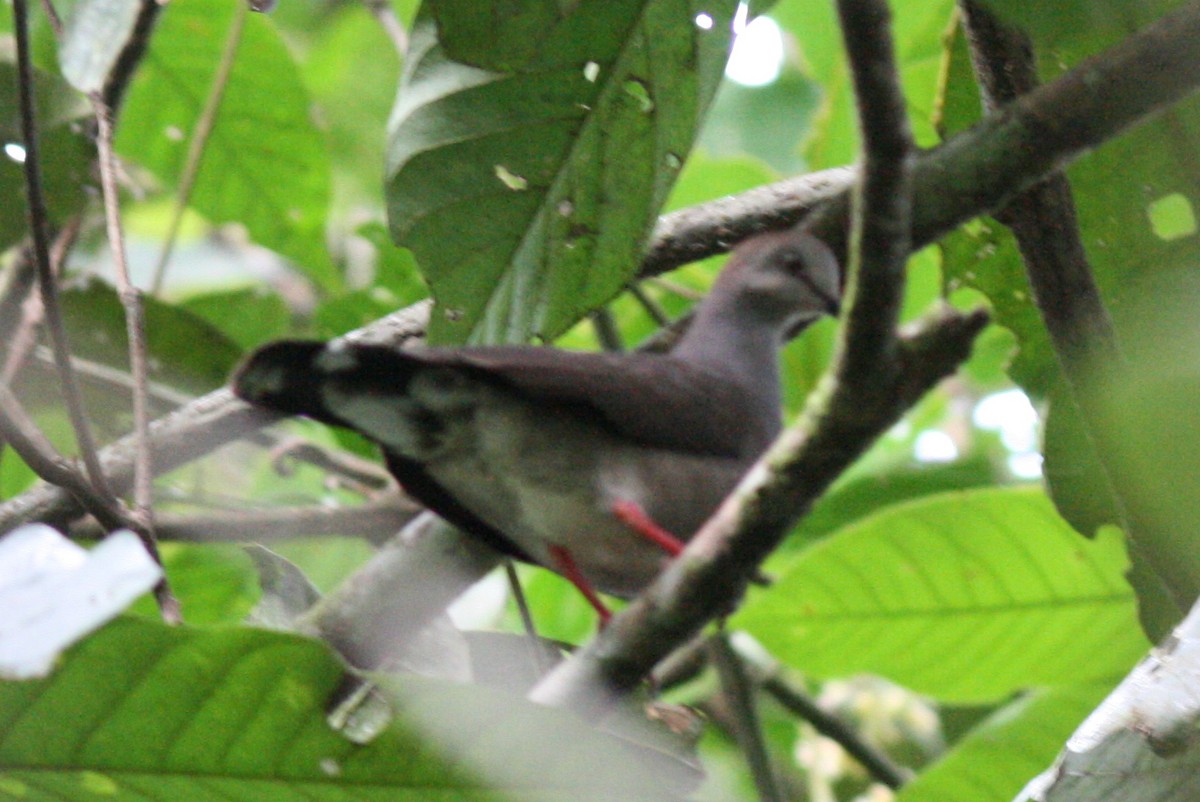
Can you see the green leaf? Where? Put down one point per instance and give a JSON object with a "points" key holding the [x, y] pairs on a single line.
{"points": [[265, 165], [142, 711], [1135, 197], [865, 495], [998, 757], [95, 34], [351, 71], [779, 110], [964, 596], [248, 316], [833, 140], [526, 194], [186, 352], [1075, 478], [1152, 433], [1080, 24], [66, 154], [215, 583]]}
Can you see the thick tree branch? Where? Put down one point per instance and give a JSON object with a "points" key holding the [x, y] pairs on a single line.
{"points": [[712, 228], [401, 589], [1043, 218], [981, 169]]}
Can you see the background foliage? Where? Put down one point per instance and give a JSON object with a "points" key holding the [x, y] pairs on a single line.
{"points": [[524, 186]]}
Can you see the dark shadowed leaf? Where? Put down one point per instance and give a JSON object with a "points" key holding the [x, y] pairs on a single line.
{"points": [[525, 189]]}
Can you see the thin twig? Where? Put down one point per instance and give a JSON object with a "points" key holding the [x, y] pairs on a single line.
{"points": [[675, 288], [135, 328], [875, 761], [199, 141], [651, 306], [383, 11], [537, 655], [118, 79], [20, 313], [20, 432], [135, 324], [39, 225], [23, 339], [94, 373], [607, 333], [357, 473], [56, 23], [738, 690], [373, 520]]}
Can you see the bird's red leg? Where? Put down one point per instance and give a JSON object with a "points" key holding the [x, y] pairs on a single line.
{"points": [[567, 567], [632, 515]]}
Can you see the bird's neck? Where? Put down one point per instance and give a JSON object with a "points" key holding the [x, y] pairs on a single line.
{"points": [[727, 337]]}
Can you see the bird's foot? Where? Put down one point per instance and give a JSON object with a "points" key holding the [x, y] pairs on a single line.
{"points": [[632, 515], [566, 566]]}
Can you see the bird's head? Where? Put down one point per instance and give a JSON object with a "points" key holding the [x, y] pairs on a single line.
{"points": [[789, 277]]}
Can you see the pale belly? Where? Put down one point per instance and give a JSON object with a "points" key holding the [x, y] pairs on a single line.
{"points": [[527, 473]]}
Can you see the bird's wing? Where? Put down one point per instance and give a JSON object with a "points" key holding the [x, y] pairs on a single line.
{"points": [[286, 377], [652, 399]]}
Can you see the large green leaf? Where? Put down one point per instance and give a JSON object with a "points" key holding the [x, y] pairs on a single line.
{"points": [[999, 756], [265, 165], [186, 355], [525, 171], [142, 711], [965, 596]]}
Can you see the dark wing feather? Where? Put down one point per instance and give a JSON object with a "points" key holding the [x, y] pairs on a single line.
{"points": [[283, 377], [653, 399]]}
